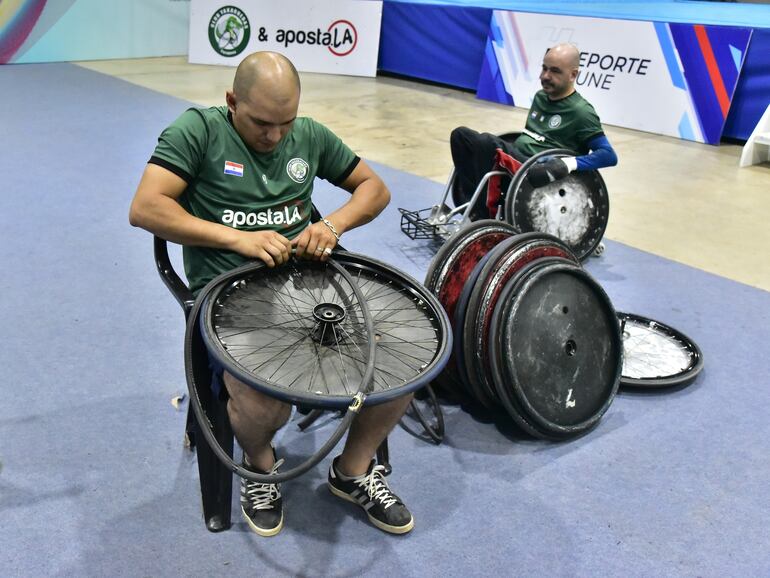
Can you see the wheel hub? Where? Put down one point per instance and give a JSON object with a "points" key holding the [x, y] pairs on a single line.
{"points": [[328, 316]]}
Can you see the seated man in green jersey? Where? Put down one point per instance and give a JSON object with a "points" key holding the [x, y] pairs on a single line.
{"points": [[558, 118], [234, 183]]}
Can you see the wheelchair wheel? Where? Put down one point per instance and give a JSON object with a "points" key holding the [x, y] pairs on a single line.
{"points": [[503, 264], [656, 355], [297, 332], [575, 209], [449, 271], [462, 361], [457, 257], [558, 351]]}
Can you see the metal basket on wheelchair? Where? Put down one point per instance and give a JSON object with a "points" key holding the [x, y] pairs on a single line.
{"points": [[433, 223], [440, 221]]}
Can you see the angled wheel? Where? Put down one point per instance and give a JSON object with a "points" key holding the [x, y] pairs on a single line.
{"points": [[463, 361], [505, 261], [456, 258], [656, 355], [498, 362], [449, 271]]}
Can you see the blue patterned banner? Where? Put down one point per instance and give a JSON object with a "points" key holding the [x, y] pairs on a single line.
{"points": [[672, 79]]}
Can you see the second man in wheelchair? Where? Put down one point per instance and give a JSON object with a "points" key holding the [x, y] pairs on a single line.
{"points": [[558, 118]]}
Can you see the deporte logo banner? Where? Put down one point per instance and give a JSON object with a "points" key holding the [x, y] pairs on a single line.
{"points": [[672, 79], [335, 36]]}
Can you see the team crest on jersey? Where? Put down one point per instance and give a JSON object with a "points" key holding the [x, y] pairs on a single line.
{"points": [[232, 168], [297, 170], [554, 121]]}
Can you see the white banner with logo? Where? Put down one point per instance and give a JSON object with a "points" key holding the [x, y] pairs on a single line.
{"points": [[332, 36]]}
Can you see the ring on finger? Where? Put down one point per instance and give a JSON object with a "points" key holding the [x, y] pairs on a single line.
{"points": [[319, 250], [328, 251]]}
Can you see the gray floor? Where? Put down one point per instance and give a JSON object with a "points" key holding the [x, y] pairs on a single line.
{"points": [[95, 480]]}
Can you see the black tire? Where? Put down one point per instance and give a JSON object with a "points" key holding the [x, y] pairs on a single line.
{"points": [[507, 258]]}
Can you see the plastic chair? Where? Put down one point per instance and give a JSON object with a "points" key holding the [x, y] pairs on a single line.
{"points": [[216, 481]]}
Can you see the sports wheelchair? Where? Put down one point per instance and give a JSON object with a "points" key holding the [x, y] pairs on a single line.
{"points": [[575, 209]]}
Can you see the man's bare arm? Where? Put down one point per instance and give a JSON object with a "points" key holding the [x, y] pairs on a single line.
{"points": [[369, 196], [156, 208]]}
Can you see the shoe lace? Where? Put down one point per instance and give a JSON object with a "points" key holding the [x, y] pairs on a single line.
{"points": [[375, 485], [262, 496]]}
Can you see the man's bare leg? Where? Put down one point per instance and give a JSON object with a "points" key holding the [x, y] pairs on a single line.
{"points": [[255, 418], [369, 430]]}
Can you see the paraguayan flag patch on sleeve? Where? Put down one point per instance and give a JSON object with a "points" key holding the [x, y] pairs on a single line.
{"points": [[232, 168]]}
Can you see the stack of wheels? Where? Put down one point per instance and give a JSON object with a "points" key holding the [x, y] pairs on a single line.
{"points": [[575, 209], [534, 334]]}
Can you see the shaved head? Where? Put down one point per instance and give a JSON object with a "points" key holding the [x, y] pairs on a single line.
{"points": [[560, 70], [264, 100], [270, 73], [567, 54]]}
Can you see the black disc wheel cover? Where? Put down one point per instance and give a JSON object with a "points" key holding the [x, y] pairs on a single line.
{"points": [[656, 355], [561, 349], [296, 332], [505, 261], [499, 379], [575, 209]]}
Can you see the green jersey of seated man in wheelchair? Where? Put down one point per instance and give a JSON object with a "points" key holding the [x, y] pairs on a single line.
{"points": [[229, 183], [567, 123]]}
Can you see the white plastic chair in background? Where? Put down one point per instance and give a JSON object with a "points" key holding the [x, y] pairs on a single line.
{"points": [[757, 148]]}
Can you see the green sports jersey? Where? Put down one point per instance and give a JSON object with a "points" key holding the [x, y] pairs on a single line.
{"points": [[567, 123], [229, 183]]}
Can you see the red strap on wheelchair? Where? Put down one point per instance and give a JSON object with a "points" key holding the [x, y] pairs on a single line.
{"points": [[503, 162]]}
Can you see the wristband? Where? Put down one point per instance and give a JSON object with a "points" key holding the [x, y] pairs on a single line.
{"points": [[571, 163], [328, 223]]}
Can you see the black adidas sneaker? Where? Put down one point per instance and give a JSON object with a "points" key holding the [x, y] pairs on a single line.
{"points": [[261, 504], [370, 491]]}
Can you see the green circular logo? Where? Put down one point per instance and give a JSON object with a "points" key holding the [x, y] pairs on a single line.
{"points": [[297, 170], [229, 31]]}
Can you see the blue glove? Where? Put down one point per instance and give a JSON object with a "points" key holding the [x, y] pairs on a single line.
{"points": [[544, 172]]}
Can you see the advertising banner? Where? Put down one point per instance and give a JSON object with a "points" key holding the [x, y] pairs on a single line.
{"points": [[62, 30], [335, 36], [671, 79]]}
